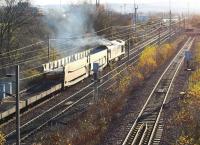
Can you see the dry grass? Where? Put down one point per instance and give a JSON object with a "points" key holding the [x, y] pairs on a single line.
{"points": [[195, 21], [187, 120], [94, 123], [2, 139]]}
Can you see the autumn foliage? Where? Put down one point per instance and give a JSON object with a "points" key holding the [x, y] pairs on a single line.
{"points": [[147, 61], [187, 119], [153, 57], [194, 87], [2, 139], [99, 115]]}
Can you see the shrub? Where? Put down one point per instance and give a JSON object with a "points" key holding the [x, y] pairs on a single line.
{"points": [[188, 116], [2, 139], [99, 115], [185, 140], [147, 61]]}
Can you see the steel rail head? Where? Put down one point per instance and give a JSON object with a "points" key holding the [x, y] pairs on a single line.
{"points": [[187, 44], [50, 109], [143, 135], [137, 134], [124, 143]]}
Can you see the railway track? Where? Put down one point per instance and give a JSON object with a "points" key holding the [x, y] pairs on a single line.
{"points": [[147, 128], [41, 118], [41, 87], [79, 105]]}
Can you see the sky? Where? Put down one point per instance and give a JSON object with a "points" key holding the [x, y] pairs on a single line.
{"points": [[158, 5]]}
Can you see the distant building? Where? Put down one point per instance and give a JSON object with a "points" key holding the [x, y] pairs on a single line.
{"points": [[143, 18], [140, 17], [166, 21]]}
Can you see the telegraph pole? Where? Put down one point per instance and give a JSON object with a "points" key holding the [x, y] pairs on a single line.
{"points": [[49, 49], [96, 80], [110, 24], [135, 15], [170, 20], [135, 21], [128, 48], [184, 23], [159, 35], [53, 54], [179, 29], [17, 102], [112, 32], [188, 14], [170, 24], [124, 8], [97, 3], [183, 19], [17, 106]]}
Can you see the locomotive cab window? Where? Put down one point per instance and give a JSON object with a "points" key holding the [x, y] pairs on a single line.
{"points": [[122, 48]]}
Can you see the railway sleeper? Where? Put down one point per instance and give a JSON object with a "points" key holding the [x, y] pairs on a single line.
{"points": [[165, 82]]}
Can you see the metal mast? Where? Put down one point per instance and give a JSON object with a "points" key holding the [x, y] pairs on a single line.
{"points": [[17, 106], [97, 3], [135, 15], [170, 20], [188, 4]]}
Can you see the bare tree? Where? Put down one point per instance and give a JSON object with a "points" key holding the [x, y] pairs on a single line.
{"points": [[21, 24], [14, 15]]}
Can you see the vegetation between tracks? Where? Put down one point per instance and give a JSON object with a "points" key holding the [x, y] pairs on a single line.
{"points": [[2, 139], [187, 118], [95, 122]]}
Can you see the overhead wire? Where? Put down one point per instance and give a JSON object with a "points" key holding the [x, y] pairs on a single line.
{"points": [[35, 75], [32, 76], [39, 74], [129, 26], [22, 48], [42, 57]]}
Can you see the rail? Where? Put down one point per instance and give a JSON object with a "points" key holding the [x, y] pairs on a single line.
{"points": [[171, 72]]}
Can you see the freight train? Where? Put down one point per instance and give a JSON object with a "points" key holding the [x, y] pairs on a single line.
{"points": [[79, 66]]}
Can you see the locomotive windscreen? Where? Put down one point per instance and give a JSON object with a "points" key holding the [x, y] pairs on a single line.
{"points": [[98, 49]]}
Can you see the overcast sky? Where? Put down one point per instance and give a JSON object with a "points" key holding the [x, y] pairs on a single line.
{"points": [[176, 5]]}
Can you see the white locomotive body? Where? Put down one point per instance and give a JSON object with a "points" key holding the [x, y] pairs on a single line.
{"points": [[98, 55], [79, 66], [116, 49], [57, 64], [76, 71]]}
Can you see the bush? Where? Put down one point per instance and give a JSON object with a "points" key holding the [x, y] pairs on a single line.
{"points": [[187, 119], [2, 139], [147, 61], [185, 140], [99, 115]]}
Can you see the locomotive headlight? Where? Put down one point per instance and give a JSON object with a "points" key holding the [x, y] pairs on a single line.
{"points": [[64, 15]]}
